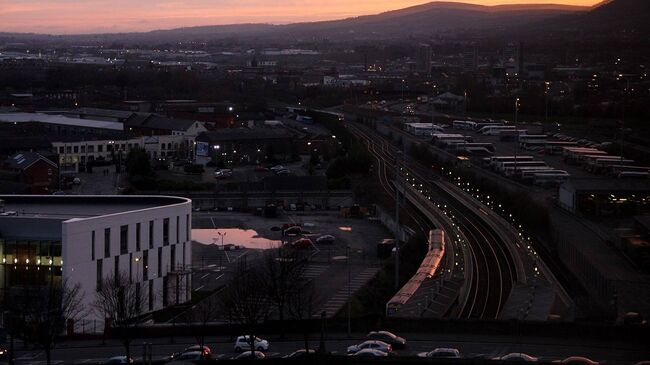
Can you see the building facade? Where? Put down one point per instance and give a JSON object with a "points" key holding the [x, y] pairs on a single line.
{"points": [[86, 239]]}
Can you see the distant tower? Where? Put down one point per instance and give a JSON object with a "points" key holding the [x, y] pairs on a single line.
{"points": [[423, 59], [470, 58]]}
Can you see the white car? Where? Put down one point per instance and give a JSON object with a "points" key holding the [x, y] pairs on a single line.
{"points": [[370, 353], [370, 344], [442, 353], [517, 357], [277, 168], [242, 344], [76, 181]]}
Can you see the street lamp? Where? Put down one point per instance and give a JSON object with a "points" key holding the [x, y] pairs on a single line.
{"points": [[516, 108], [546, 87]]}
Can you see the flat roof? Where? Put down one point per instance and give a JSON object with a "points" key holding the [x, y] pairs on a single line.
{"points": [[605, 185], [81, 206], [58, 119]]}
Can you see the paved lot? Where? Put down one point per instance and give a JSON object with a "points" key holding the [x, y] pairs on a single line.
{"points": [[339, 269]]}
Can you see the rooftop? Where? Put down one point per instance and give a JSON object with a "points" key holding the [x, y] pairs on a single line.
{"points": [[80, 206], [58, 119], [238, 134]]}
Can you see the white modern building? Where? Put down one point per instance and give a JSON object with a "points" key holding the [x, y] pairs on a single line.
{"points": [[84, 239]]}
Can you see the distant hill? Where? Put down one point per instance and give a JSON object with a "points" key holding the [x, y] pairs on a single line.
{"points": [[610, 17], [421, 20]]}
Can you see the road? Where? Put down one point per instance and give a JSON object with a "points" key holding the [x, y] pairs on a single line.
{"points": [[494, 271], [93, 351]]}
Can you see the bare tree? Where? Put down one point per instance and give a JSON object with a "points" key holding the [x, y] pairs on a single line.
{"points": [[301, 306], [121, 303], [282, 275], [245, 301], [201, 314], [57, 304]]}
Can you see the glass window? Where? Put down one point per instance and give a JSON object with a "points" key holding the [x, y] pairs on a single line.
{"points": [[166, 231], [76, 149], [91, 149], [145, 265], [92, 246], [151, 234], [100, 274], [172, 260], [137, 236], [100, 148], [159, 261], [116, 274], [107, 242], [187, 228], [124, 239], [178, 226], [151, 295], [83, 149]]}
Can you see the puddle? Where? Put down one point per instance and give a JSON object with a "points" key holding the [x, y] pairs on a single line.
{"points": [[248, 238]]}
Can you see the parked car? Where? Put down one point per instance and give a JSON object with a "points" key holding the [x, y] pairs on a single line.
{"points": [[119, 360], [277, 168], [261, 169], [76, 181], [283, 172], [517, 357], [223, 174], [299, 353], [388, 337], [442, 353], [242, 343], [294, 230], [192, 356], [370, 353], [247, 355], [370, 344], [192, 349], [328, 239], [302, 244], [576, 360]]}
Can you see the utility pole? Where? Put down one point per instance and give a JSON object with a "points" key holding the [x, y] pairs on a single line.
{"points": [[516, 109], [546, 87], [397, 226]]}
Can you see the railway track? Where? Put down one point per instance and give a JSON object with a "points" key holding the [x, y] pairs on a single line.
{"points": [[493, 266]]}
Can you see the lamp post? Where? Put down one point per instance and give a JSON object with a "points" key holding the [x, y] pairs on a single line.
{"points": [[546, 87], [222, 235], [516, 108], [347, 263]]}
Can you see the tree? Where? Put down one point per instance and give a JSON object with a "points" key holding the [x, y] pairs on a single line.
{"points": [[300, 306], [282, 275], [245, 301], [201, 314], [120, 301], [137, 163], [47, 317]]}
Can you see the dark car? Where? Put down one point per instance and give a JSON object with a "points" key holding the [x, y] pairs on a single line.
{"points": [[299, 353], [388, 337]]}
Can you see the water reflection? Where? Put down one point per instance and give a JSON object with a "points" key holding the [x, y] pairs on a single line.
{"points": [[248, 238]]}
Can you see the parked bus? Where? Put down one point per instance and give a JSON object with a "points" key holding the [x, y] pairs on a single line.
{"points": [[555, 147], [511, 171], [501, 166], [463, 124], [528, 175], [550, 178], [496, 159], [495, 129]]}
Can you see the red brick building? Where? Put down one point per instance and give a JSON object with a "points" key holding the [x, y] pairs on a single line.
{"points": [[39, 173]]}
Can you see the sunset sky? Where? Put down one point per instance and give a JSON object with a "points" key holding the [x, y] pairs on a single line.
{"points": [[95, 16]]}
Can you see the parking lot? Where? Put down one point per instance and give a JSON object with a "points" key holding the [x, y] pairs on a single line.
{"points": [[347, 264]]}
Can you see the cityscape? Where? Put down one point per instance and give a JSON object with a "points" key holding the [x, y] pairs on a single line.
{"points": [[190, 182]]}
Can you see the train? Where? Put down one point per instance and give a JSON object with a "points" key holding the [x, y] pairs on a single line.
{"points": [[430, 264]]}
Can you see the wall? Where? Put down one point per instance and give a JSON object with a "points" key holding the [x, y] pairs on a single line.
{"points": [[80, 266]]}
